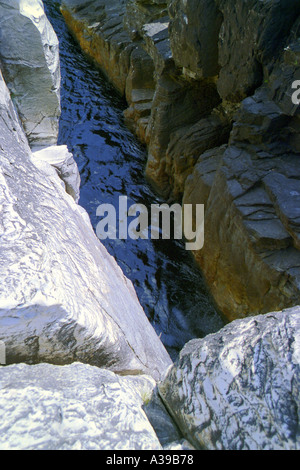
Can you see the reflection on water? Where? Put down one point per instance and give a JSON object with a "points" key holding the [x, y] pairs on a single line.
{"points": [[111, 162]]}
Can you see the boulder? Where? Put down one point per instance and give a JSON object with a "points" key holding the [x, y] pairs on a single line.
{"points": [[98, 27], [63, 298], [29, 53], [204, 74], [239, 389], [74, 407]]}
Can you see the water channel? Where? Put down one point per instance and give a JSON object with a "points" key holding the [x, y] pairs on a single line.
{"points": [[111, 161]]}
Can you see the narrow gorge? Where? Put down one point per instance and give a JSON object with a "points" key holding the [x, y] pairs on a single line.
{"points": [[140, 344]]}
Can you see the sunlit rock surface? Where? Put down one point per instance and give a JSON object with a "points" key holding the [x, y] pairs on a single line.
{"points": [[62, 296], [239, 389], [29, 53], [75, 407]]}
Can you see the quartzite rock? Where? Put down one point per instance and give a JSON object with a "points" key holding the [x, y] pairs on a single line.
{"points": [[62, 296], [63, 161], [239, 389], [74, 407], [29, 53]]}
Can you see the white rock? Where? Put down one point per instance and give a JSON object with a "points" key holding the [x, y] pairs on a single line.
{"points": [[63, 161], [239, 389], [29, 53], [75, 407], [63, 298]]}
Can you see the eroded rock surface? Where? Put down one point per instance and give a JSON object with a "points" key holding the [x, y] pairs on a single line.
{"points": [[74, 407], [29, 54], [238, 389], [63, 161], [63, 298], [199, 75]]}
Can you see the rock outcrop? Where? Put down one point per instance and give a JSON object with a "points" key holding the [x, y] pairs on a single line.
{"points": [[63, 161], [198, 76], [74, 407], [29, 55], [58, 299], [63, 298], [238, 389]]}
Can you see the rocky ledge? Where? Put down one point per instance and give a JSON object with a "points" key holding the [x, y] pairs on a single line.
{"points": [[82, 368], [209, 86]]}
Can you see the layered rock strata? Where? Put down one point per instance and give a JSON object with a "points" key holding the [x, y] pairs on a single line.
{"points": [[58, 283], [199, 75]]}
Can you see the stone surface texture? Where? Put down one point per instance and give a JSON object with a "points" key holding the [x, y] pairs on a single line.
{"points": [[29, 54], [238, 389], [73, 407], [58, 299], [198, 75]]}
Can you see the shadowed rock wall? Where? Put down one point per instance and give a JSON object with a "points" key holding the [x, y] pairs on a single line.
{"points": [[208, 84]]}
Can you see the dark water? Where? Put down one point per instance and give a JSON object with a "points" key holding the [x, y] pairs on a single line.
{"points": [[111, 162]]}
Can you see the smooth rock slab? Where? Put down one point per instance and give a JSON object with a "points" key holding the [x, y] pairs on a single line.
{"points": [[29, 52], [75, 407], [63, 298], [239, 389]]}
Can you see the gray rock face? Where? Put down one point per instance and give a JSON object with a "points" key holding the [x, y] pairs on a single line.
{"points": [[239, 389], [62, 296], [75, 407], [29, 53], [215, 73]]}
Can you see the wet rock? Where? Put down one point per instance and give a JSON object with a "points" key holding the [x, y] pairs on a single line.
{"points": [[176, 105], [74, 407], [238, 389], [251, 261], [29, 53], [58, 301]]}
